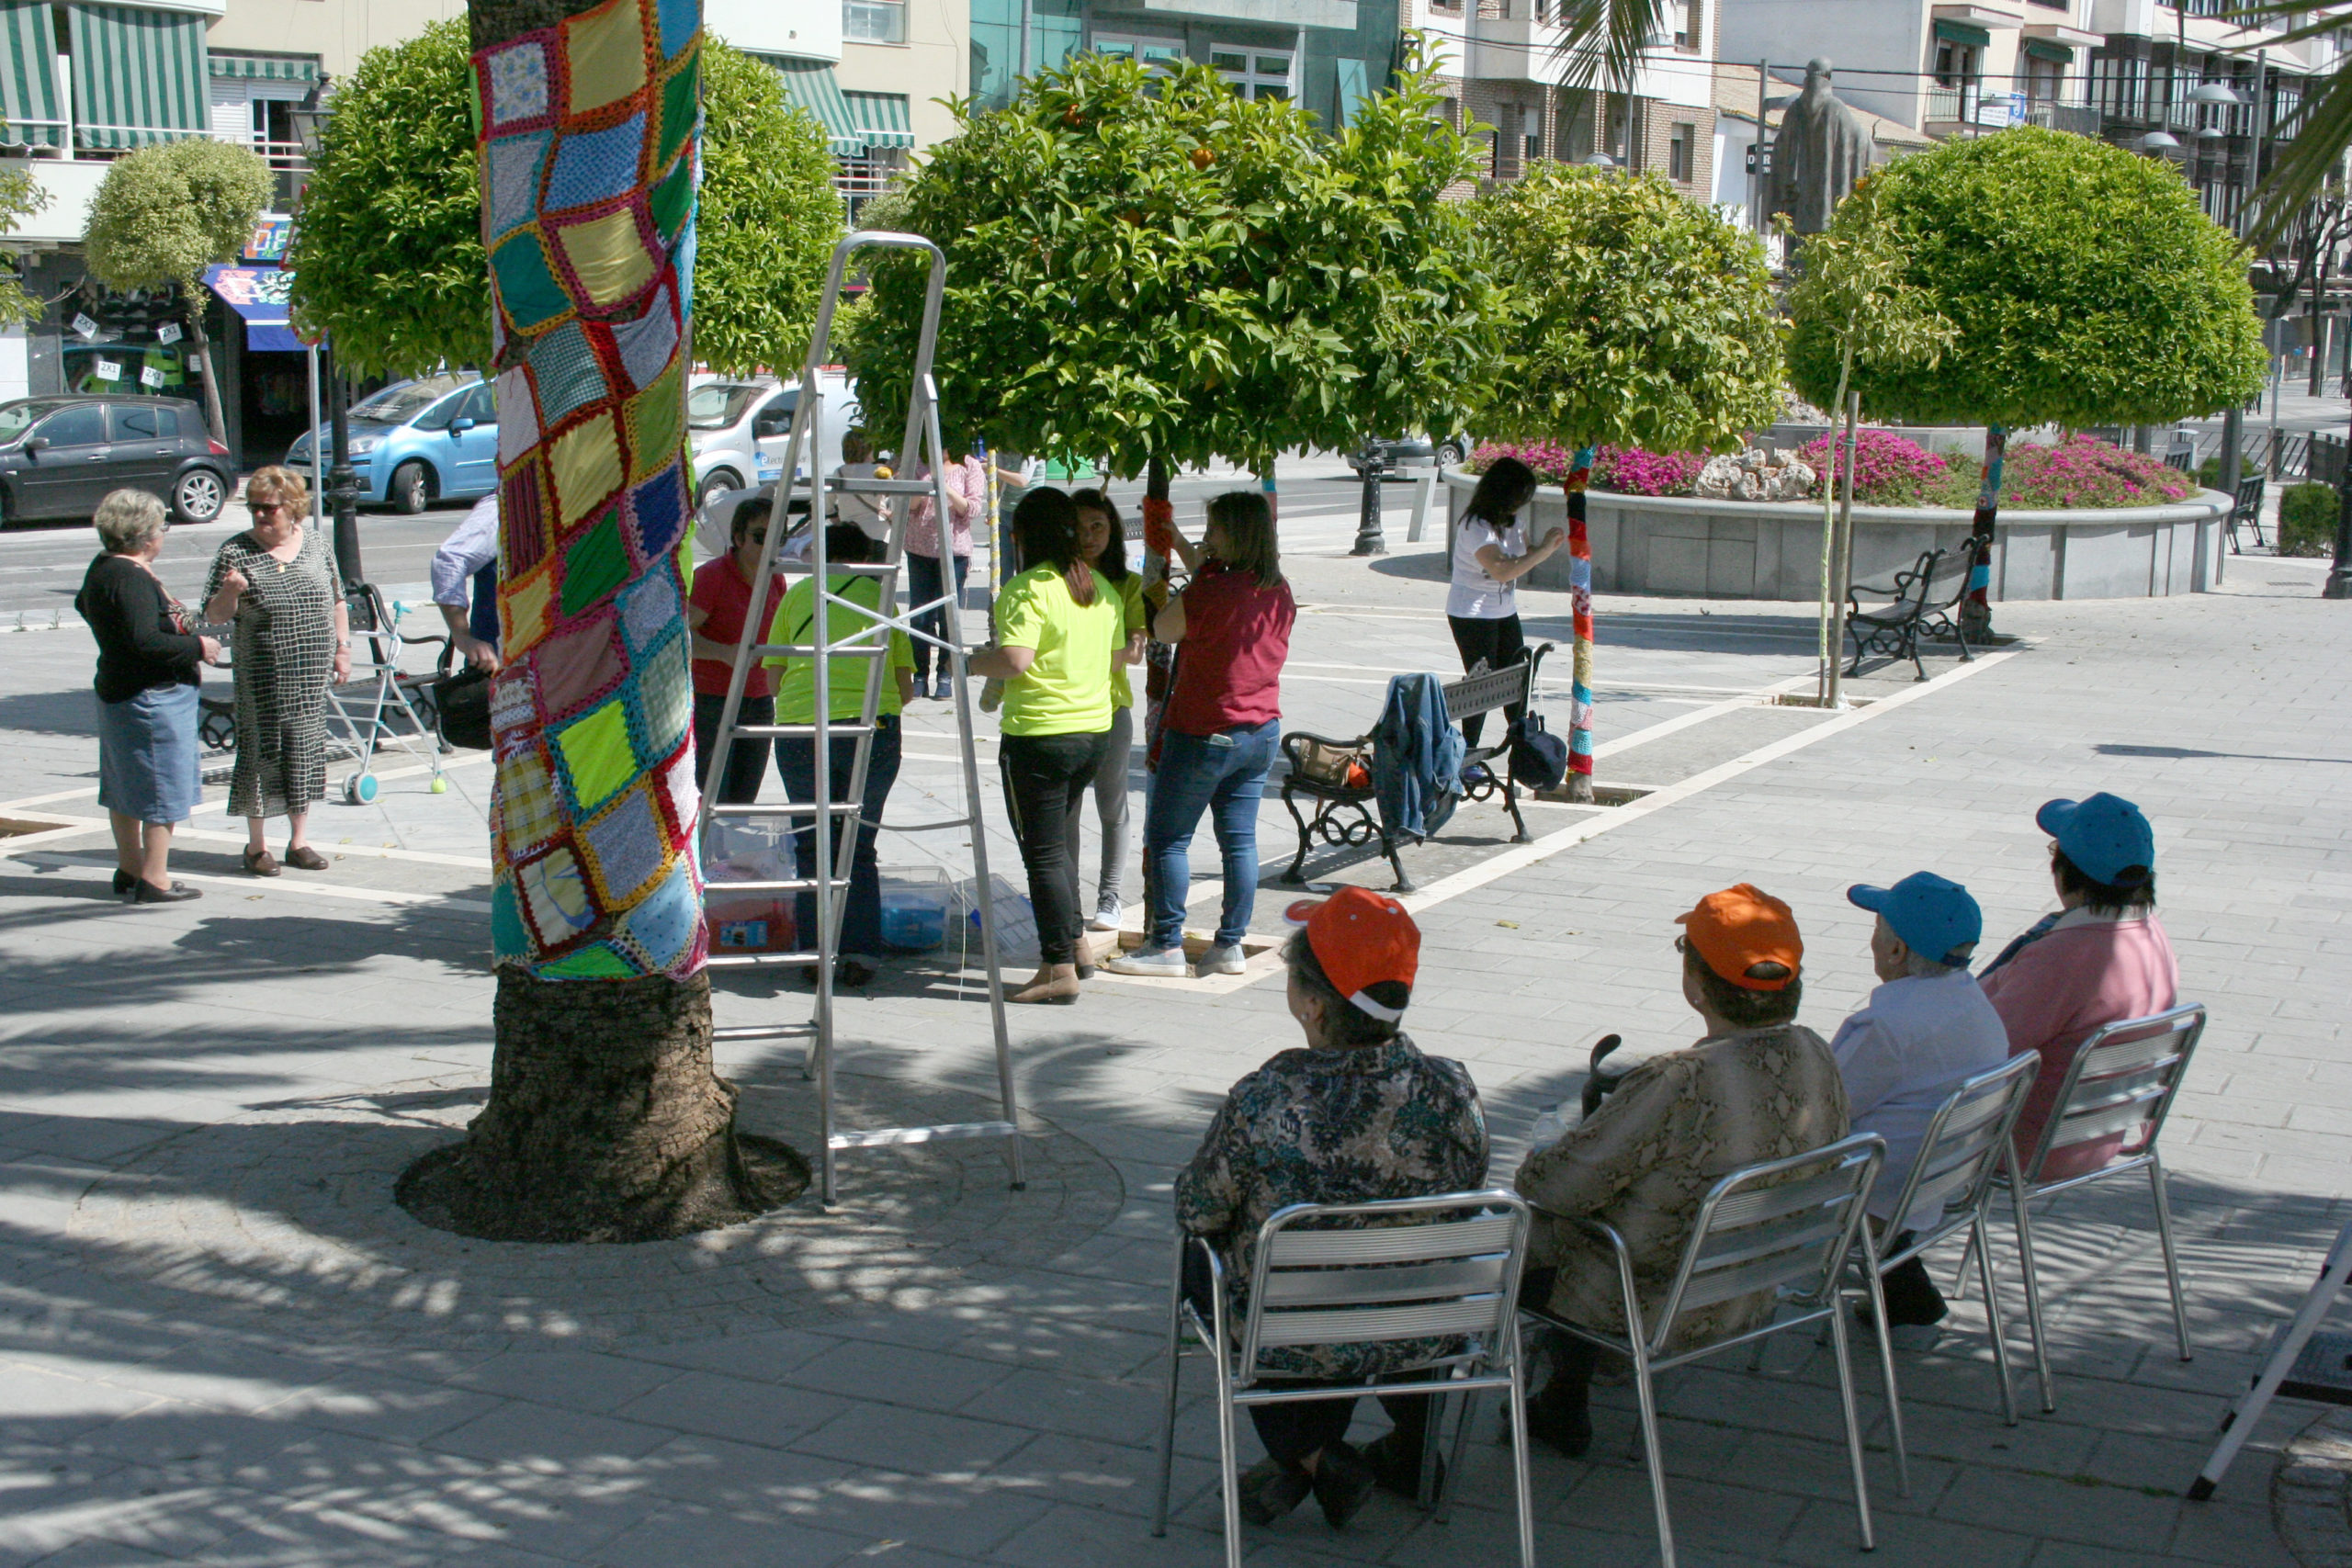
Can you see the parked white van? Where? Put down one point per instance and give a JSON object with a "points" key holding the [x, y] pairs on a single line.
{"points": [[739, 429]]}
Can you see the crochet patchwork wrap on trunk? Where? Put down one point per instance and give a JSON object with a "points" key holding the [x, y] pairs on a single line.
{"points": [[589, 137]]}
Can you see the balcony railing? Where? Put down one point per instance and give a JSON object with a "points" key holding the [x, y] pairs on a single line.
{"points": [[2083, 119]]}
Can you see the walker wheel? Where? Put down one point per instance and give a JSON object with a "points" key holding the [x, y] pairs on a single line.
{"points": [[440, 785], [359, 789]]}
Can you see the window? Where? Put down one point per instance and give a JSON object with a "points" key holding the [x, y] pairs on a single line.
{"points": [[1454, 113], [136, 425], [85, 425], [1152, 52], [1679, 143], [1511, 122], [1955, 63], [873, 22], [1254, 73]]}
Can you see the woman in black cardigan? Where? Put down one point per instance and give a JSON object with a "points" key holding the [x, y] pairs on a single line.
{"points": [[149, 777]]}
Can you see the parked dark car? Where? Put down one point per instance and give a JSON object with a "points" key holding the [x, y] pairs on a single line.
{"points": [[60, 456], [1411, 452]]}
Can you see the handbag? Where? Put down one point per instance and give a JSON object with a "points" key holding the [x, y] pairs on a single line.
{"points": [[462, 704], [1539, 759]]}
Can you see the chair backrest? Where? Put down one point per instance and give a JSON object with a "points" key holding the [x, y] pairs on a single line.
{"points": [[1784, 1224], [1964, 1141], [2181, 457], [1483, 691], [2122, 1080], [1947, 579], [2249, 500], [1403, 1269]]}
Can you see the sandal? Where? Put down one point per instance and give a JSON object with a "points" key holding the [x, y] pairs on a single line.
{"points": [[303, 857], [260, 863]]}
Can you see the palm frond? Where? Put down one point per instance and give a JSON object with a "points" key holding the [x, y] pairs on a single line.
{"points": [[1603, 42], [2313, 161]]}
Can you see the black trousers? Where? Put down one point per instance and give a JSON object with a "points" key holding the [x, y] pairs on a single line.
{"points": [[739, 781], [1500, 644], [1294, 1429], [1046, 778], [1910, 1291]]}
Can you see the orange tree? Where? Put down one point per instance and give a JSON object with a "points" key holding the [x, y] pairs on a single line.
{"points": [[1145, 268]]}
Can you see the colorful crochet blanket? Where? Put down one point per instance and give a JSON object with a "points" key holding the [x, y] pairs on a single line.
{"points": [[589, 137]]}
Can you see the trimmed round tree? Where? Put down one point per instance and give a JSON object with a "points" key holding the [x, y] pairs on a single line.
{"points": [[1639, 318], [2084, 285], [165, 213], [389, 257]]}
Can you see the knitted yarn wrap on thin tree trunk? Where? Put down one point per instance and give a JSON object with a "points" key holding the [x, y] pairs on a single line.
{"points": [[589, 168], [1580, 608]]}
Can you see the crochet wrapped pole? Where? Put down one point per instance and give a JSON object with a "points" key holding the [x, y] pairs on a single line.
{"points": [[1580, 779], [606, 1120], [1976, 609]]}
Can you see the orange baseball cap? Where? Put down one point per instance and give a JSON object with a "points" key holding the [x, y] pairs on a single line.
{"points": [[1741, 928], [1360, 939]]}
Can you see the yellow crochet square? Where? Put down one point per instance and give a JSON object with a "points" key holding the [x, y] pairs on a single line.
{"points": [[607, 255], [528, 814], [586, 463], [605, 50], [656, 422], [523, 607], [596, 754]]}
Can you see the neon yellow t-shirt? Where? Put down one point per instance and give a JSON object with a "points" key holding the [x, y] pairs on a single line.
{"points": [[1138, 620], [796, 623], [1068, 690]]}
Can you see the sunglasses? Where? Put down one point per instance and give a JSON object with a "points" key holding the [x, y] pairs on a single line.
{"points": [[258, 507]]}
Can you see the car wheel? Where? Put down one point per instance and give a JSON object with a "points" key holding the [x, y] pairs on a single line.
{"points": [[1450, 454], [716, 483], [408, 491], [198, 496]]}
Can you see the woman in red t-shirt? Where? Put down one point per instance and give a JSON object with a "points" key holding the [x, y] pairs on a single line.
{"points": [[1231, 627], [714, 610]]}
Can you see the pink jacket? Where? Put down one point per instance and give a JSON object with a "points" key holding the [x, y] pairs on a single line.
{"points": [[2088, 971], [969, 478]]}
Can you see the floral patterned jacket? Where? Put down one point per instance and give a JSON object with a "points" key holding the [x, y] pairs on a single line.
{"points": [[1337, 1126]]}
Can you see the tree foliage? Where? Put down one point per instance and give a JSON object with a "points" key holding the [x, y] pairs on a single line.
{"points": [[167, 212], [20, 197], [1639, 318], [387, 256], [2084, 285], [1144, 266]]}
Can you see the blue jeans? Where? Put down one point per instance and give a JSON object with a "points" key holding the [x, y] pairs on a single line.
{"points": [[1225, 773], [796, 762], [925, 581]]}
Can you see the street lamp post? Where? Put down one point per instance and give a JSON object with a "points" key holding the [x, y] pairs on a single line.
{"points": [[309, 119]]}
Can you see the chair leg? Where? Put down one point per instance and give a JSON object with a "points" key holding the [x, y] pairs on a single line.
{"points": [[1437, 1493], [1298, 861], [1911, 646], [2172, 1259], [1978, 1245], [1853, 1416], [1388, 848], [1168, 1416], [1510, 800], [1522, 1480], [1227, 1462], [2033, 1297], [1647, 1393], [1959, 1275], [1886, 1374]]}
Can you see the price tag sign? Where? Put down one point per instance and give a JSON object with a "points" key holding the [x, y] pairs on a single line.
{"points": [[108, 370], [169, 332], [150, 377], [86, 326]]}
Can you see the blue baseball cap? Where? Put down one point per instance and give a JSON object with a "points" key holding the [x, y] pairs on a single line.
{"points": [[1935, 918], [2104, 835]]}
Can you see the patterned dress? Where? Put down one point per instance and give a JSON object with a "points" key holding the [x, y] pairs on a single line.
{"points": [[284, 648], [1644, 1161], [1340, 1126]]}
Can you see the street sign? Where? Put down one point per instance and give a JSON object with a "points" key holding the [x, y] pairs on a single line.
{"points": [[1759, 158]]}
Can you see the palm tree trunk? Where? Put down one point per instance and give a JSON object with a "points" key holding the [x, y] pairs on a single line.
{"points": [[606, 1120]]}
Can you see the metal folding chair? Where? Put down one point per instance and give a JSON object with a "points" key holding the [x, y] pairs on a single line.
{"points": [[1959, 1156], [2122, 1080], [1785, 1225], [1442, 1267]]}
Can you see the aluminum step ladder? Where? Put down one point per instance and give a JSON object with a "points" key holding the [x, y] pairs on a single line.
{"points": [[834, 824]]}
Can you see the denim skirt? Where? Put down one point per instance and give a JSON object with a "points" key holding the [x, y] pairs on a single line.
{"points": [[148, 764]]}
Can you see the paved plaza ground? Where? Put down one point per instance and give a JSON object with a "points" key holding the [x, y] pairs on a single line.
{"points": [[221, 1343]]}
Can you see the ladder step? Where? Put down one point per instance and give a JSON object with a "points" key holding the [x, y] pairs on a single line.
{"points": [[852, 568], [796, 732], [781, 809], [879, 1137], [772, 885], [810, 650], [756, 960], [743, 1031], [881, 487]]}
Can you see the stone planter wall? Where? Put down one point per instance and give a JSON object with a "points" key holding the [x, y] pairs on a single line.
{"points": [[1737, 549]]}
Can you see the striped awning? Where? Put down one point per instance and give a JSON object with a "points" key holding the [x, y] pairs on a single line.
{"points": [[28, 103], [139, 75], [263, 68], [809, 83], [881, 119]]}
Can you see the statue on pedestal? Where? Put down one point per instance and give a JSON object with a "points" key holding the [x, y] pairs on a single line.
{"points": [[1822, 149]]}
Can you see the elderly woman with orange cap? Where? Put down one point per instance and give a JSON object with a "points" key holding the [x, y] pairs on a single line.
{"points": [[1355, 1116], [1758, 1086]]}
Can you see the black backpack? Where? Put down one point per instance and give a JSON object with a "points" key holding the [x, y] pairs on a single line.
{"points": [[1539, 759]]}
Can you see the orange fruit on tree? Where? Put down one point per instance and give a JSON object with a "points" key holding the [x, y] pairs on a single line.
{"points": [[1203, 157]]}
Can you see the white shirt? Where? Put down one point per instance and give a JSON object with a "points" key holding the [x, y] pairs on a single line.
{"points": [[470, 546], [1475, 595], [1902, 1056]]}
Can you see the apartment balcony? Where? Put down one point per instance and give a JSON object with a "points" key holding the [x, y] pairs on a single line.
{"points": [[2052, 113], [1967, 109]]}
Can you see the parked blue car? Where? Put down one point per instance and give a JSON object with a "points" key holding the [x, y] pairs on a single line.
{"points": [[414, 443]]}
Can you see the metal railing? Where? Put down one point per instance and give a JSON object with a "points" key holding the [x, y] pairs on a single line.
{"points": [[2083, 119]]}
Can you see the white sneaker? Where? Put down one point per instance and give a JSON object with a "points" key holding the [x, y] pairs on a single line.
{"points": [[1162, 963], [1220, 960], [1107, 917]]}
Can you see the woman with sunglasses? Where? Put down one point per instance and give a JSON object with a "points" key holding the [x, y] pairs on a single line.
{"points": [[277, 581], [716, 606]]}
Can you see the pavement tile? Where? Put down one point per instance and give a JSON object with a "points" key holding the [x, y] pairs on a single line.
{"points": [[765, 1415], [535, 1435], [918, 1441], [710, 1537], [577, 1380], [900, 1375]]}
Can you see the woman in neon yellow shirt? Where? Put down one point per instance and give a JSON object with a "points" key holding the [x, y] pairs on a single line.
{"points": [[1059, 626], [1104, 539], [795, 756]]}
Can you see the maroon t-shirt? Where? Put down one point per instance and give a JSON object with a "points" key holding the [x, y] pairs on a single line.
{"points": [[1229, 666], [722, 591]]}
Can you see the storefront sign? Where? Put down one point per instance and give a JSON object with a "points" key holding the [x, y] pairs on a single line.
{"points": [[270, 237], [255, 292]]}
